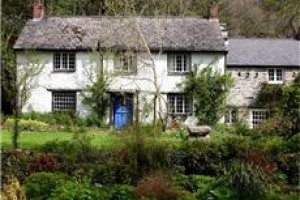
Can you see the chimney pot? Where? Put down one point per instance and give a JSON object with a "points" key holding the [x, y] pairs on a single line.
{"points": [[38, 11], [213, 10]]}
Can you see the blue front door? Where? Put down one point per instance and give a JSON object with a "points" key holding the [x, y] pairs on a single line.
{"points": [[123, 107]]}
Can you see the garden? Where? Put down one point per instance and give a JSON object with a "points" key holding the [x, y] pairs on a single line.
{"points": [[145, 163], [61, 156]]}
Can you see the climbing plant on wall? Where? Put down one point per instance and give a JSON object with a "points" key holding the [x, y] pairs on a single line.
{"points": [[209, 89]]}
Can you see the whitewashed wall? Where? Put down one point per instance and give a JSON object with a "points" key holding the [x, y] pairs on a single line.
{"points": [[41, 98]]}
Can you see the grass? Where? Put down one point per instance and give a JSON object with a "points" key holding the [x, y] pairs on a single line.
{"points": [[100, 139], [31, 140]]}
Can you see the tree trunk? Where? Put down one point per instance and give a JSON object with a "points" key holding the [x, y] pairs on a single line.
{"points": [[15, 131]]}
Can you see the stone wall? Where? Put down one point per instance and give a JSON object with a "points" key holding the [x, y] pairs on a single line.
{"points": [[248, 82], [247, 85]]}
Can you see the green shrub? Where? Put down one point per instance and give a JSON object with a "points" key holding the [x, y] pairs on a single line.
{"points": [[207, 187], [194, 183], [276, 126], [123, 192], [93, 120], [247, 181], [136, 158], [79, 146], [290, 165], [199, 157], [41, 185], [54, 118], [293, 143], [74, 190], [16, 163], [291, 103], [77, 155], [27, 125]]}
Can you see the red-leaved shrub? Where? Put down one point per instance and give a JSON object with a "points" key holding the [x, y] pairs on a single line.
{"points": [[44, 162], [157, 187]]}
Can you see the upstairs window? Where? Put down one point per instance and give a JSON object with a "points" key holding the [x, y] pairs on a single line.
{"points": [[179, 104], [231, 116], [126, 63], [64, 61], [275, 75], [178, 63], [258, 116], [64, 101]]}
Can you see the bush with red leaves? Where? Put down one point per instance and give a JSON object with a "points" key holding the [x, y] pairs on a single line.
{"points": [[260, 162], [157, 187], [44, 162]]}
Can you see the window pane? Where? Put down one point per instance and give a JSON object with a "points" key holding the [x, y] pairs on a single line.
{"points": [[126, 62], [279, 74], [178, 63], [233, 116], [271, 75], [64, 101], [258, 117], [64, 61], [71, 61], [56, 61], [227, 117], [179, 104]]}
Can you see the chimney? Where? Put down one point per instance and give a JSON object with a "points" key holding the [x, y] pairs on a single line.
{"points": [[38, 11], [213, 11]]}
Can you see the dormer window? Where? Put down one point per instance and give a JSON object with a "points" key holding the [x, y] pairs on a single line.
{"points": [[275, 75], [125, 63], [178, 63], [64, 62]]}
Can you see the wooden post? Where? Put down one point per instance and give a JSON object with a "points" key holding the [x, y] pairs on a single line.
{"points": [[137, 109]]}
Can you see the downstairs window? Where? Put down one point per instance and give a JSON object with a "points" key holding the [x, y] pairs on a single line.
{"points": [[179, 104], [231, 116], [64, 101], [258, 116]]}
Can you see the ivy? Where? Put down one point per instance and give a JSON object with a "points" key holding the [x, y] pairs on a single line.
{"points": [[291, 103], [209, 89], [270, 97]]}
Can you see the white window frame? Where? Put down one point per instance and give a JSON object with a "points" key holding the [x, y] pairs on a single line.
{"points": [[64, 61], [229, 117], [125, 63], [186, 107], [179, 63], [64, 101], [276, 77], [257, 116]]}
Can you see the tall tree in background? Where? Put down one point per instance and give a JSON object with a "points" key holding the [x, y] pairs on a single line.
{"points": [[288, 12], [14, 15]]}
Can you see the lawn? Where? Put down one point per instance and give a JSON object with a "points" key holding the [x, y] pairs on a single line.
{"points": [[31, 140], [99, 138]]}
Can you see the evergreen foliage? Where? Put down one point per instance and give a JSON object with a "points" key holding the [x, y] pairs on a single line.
{"points": [[209, 90]]}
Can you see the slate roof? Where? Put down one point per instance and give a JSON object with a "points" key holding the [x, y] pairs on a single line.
{"points": [[82, 33], [263, 52]]}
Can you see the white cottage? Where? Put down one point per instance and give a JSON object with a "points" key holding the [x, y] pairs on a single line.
{"points": [[145, 60]]}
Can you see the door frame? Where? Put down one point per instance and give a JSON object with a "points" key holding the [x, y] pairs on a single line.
{"points": [[113, 96]]}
